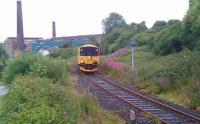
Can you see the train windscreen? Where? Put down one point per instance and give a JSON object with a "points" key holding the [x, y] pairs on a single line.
{"points": [[89, 51]]}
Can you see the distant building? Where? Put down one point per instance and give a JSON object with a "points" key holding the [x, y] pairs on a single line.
{"points": [[37, 43], [80, 39], [15, 46], [11, 42], [48, 44]]}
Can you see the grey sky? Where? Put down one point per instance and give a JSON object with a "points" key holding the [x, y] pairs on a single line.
{"points": [[79, 17]]}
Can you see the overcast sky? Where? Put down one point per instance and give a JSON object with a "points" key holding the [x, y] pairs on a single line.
{"points": [[80, 17]]}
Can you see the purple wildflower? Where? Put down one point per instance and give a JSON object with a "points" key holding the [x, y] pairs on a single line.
{"points": [[114, 64]]}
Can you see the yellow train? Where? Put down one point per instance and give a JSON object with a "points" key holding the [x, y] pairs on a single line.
{"points": [[88, 57]]}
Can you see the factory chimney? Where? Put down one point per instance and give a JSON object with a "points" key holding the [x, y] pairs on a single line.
{"points": [[20, 33], [53, 29]]}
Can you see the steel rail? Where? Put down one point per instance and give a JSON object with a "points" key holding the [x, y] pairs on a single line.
{"points": [[124, 100], [152, 100]]}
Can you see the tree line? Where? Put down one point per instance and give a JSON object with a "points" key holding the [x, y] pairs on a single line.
{"points": [[3, 57], [163, 37]]}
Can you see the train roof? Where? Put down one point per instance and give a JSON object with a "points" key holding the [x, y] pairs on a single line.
{"points": [[88, 45]]}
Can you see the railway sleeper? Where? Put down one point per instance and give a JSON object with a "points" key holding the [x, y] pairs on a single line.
{"points": [[164, 114], [121, 95], [116, 91], [159, 112], [146, 105], [175, 121], [149, 107], [172, 118], [130, 97], [101, 82], [133, 99], [154, 109], [136, 103], [107, 87]]}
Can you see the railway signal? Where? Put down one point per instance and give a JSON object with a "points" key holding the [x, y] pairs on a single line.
{"points": [[133, 45]]}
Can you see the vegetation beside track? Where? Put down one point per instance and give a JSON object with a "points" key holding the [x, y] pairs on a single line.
{"points": [[41, 90], [63, 53], [174, 77], [167, 58]]}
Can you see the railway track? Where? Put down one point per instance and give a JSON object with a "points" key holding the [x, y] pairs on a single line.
{"points": [[156, 109]]}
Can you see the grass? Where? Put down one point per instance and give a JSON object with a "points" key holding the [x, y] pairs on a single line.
{"points": [[170, 77], [1, 97], [1, 103], [40, 99], [176, 97]]}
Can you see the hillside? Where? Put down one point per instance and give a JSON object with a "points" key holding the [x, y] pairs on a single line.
{"points": [[167, 55], [173, 77]]}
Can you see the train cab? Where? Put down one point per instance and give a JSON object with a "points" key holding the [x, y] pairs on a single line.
{"points": [[88, 58]]}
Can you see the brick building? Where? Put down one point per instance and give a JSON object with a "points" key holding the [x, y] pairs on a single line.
{"points": [[10, 44]]}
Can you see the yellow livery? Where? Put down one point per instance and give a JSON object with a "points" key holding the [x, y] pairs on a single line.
{"points": [[88, 57]]}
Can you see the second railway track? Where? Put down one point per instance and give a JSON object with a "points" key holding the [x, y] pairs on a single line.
{"points": [[160, 111]]}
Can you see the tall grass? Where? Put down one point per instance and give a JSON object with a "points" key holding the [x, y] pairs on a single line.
{"points": [[163, 73], [37, 95]]}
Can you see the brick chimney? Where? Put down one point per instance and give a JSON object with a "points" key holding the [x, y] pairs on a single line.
{"points": [[20, 32], [53, 29]]}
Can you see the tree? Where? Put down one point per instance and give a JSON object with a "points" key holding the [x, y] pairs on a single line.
{"points": [[141, 27], [3, 57], [191, 25], [172, 21], [169, 40], [159, 24], [113, 21], [137, 28]]}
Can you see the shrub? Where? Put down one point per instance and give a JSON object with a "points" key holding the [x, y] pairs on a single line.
{"points": [[38, 70], [194, 91], [34, 100], [35, 64], [18, 65], [3, 58], [37, 100], [63, 53]]}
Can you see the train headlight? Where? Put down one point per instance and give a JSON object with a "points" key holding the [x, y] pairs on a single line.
{"points": [[81, 61]]}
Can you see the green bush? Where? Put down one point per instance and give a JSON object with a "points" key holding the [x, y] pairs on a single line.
{"points": [[63, 53], [34, 100], [35, 64], [37, 100], [3, 58], [38, 70], [194, 91]]}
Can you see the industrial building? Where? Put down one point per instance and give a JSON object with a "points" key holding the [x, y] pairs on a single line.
{"points": [[37, 43], [11, 43], [16, 45]]}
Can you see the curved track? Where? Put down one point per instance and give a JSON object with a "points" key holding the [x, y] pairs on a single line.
{"points": [[165, 113]]}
